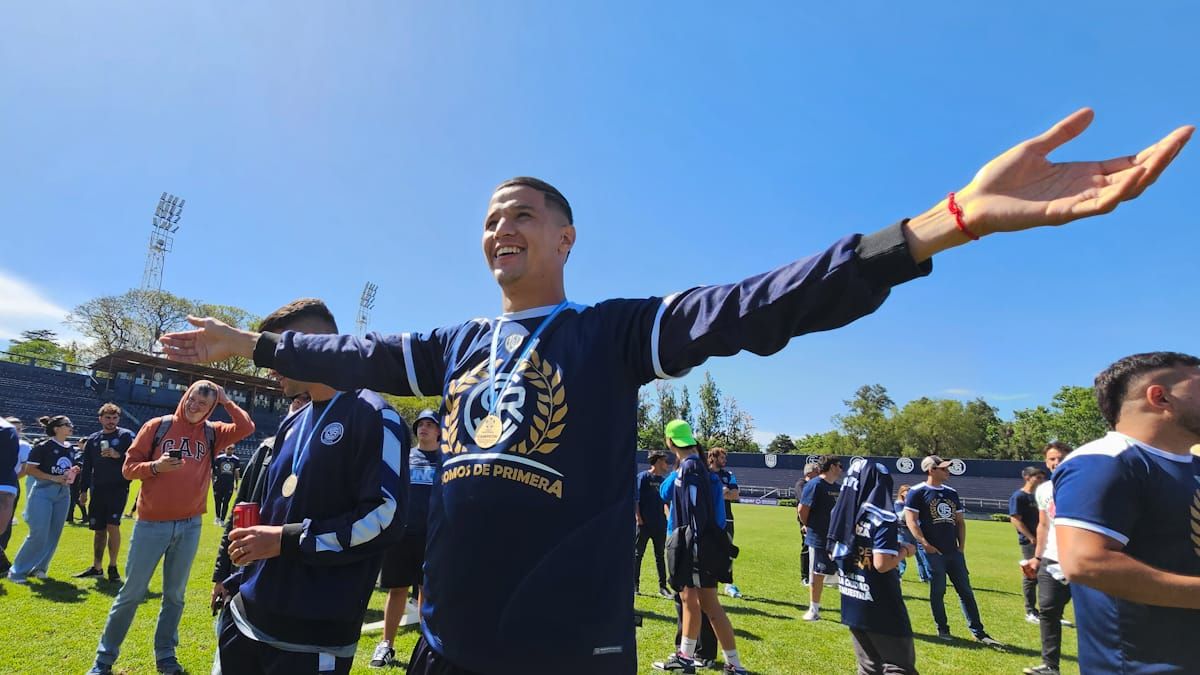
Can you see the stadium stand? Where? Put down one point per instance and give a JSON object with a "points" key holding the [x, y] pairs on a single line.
{"points": [[985, 493], [144, 386]]}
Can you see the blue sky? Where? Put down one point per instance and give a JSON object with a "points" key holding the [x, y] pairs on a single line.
{"points": [[320, 145]]}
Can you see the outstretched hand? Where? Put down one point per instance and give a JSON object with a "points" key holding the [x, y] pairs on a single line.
{"points": [[1022, 189], [213, 340]]}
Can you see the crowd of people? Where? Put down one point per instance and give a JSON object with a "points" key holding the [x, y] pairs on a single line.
{"points": [[538, 426]]}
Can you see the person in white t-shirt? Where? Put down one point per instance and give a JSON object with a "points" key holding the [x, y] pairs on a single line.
{"points": [[1053, 591]]}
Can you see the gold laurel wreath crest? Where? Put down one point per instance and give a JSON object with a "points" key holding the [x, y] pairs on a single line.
{"points": [[1196, 522], [452, 445], [548, 422]]}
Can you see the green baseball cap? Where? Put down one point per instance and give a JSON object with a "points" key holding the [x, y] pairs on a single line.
{"points": [[680, 433]]}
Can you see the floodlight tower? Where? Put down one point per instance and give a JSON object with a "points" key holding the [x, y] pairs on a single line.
{"points": [[365, 304], [164, 225]]}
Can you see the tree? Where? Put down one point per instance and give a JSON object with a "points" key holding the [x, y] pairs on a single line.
{"points": [[867, 422], [668, 407], [136, 319], [650, 435], [929, 426], [685, 406], [738, 434], [709, 422], [781, 445], [828, 443], [1078, 419], [411, 406], [39, 347]]}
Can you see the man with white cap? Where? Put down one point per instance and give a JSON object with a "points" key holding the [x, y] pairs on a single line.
{"points": [[935, 519]]}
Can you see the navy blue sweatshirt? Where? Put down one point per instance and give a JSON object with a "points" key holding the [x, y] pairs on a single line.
{"points": [[544, 513], [348, 507], [105, 472]]}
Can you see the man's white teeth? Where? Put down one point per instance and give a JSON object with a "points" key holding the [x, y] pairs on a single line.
{"points": [[505, 250]]}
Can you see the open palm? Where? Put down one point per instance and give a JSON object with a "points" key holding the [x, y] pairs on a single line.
{"points": [[1021, 188]]}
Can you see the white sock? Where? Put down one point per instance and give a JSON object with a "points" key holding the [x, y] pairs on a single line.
{"points": [[687, 647], [731, 657], [815, 606]]}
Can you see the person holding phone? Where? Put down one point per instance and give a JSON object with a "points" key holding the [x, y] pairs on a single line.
{"points": [[173, 457], [52, 468]]}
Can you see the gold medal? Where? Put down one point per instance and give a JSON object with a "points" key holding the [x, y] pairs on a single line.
{"points": [[289, 485], [488, 431]]}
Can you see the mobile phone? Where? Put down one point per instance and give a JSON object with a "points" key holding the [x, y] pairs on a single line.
{"points": [[218, 604], [175, 454]]}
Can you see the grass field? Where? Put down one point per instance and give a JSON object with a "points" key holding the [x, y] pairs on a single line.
{"points": [[53, 626]]}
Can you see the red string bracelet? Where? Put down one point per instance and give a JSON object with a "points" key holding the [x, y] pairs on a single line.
{"points": [[958, 218]]}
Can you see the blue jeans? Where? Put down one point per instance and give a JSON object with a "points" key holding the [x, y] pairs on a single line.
{"points": [[954, 565], [175, 543], [922, 561], [45, 513]]}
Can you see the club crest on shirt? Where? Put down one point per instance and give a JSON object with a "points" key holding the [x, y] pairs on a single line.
{"points": [[532, 413], [942, 510], [533, 378], [332, 433]]}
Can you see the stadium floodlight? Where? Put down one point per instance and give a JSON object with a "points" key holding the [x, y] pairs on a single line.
{"points": [[163, 226], [366, 303]]}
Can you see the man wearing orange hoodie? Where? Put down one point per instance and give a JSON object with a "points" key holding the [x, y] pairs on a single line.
{"points": [[173, 457]]}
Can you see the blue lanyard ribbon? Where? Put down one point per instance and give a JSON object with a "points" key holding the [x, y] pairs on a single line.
{"points": [[303, 443], [529, 345]]}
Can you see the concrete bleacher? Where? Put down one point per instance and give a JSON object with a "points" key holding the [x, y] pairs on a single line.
{"points": [[29, 391]]}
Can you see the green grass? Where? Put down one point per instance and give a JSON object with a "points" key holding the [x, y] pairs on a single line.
{"points": [[53, 626]]}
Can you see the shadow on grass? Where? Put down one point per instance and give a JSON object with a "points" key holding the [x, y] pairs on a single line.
{"points": [[972, 645], [993, 590], [57, 591], [655, 616], [771, 601], [373, 615], [743, 609], [111, 589]]}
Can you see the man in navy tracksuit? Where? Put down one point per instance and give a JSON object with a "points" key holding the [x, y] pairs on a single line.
{"points": [[333, 503], [539, 404]]}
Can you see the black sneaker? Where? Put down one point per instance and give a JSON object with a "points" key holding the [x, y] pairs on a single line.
{"points": [[676, 663], [945, 635], [168, 666], [384, 656], [89, 572], [5, 564], [113, 575], [1041, 669], [665, 592], [984, 638]]}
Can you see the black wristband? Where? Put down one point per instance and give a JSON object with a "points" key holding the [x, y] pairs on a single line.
{"points": [[289, 542], [885, 254], [264, 349]]}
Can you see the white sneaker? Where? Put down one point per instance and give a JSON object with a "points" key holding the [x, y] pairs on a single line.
{"points": [[41, 574], [1032, 618], [813, 614]]}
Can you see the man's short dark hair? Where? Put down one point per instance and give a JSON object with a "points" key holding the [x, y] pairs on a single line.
{"points": [[550, 193], [1059, 446], [110, 408], [295, 310], [1112, 385], [827, 462], [1031, 471], [655, 455]]}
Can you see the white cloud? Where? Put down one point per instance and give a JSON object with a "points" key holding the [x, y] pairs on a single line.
{"points": [[22, 307]]}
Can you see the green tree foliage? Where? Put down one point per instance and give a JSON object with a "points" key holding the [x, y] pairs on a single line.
{"points": [[709, 422], [39, 347], [944, 427], [867, 421], [781, 445], [685, 406], [136, 319], [411, 406], [828, 443]]}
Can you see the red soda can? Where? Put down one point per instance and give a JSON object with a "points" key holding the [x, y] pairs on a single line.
{"points": [[245, 514]]}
